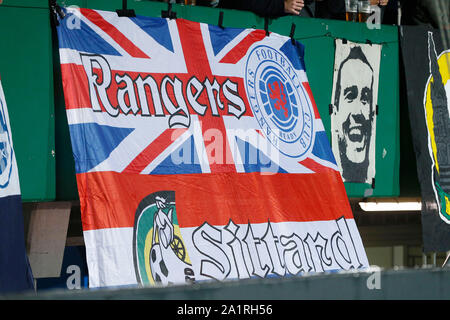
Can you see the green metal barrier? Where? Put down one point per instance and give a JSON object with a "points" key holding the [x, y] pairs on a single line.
{"points": [[27, 78], [42, 178]]}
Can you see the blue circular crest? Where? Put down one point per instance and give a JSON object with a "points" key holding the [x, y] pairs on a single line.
{"points": [[279, 101]]}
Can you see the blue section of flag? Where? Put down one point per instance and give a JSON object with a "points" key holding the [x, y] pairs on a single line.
{"points": [[15, 271], [5, 154], [183, 160], [221, 37], [82, 38], [295, 54], [102, 141], [322, 148], [156, 28], [254, 160]]}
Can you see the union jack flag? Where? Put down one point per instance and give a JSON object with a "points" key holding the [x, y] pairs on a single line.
{"points": [[182, 49], [163, 109]]}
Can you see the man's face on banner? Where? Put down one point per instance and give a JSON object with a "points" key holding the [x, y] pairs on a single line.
{"points": [[354, 110]]}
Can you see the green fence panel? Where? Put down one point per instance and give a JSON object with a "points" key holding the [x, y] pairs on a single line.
{"points": [[318, 36], [27, 78]]}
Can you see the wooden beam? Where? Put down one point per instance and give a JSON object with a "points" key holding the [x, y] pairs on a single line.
{"points": [[46, 238]]}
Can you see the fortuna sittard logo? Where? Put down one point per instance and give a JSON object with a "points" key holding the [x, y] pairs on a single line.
{"points": [[160, 256], [438, 122]]}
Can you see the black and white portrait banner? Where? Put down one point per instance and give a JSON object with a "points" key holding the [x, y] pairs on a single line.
{"points": [[353, 116]]}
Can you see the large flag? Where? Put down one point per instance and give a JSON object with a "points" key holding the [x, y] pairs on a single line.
{"points": [[426, 59], [199, 153], [15, 271]]}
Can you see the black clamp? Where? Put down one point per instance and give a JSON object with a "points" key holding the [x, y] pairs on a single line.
{"points": [[124, 12], [368, 41], [266, 26], [291, 35], [56, 11], [220, 23], [169, 13], [330, 109], [373, 183], [376, 109], [344, 41]]}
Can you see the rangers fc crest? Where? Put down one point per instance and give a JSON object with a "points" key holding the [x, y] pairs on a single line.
{"points": [[279, 101]]}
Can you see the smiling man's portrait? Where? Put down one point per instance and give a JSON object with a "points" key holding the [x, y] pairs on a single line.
{"points": [[354, 99]]}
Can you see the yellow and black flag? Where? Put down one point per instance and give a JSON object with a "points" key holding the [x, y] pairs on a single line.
{"points": [[426, 57]]}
